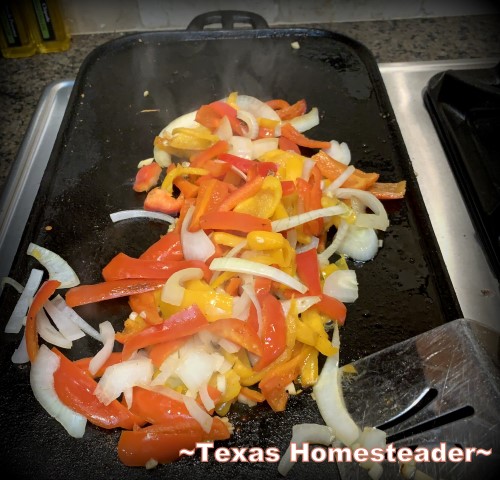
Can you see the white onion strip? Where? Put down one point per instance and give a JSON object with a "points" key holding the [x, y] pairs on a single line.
{"points": [[75, 318], [173, 291], [49, 333], [240, 265], [305, 433], [20, 354], [16, 319], [250, 121], [57, 267], [205, 397], [195, 245], [328, 394], [200, 415], [296, 220], [130, 214], [13, 283], [68, 328], [42, 384], [339, 181], [100, 358], [305, 122], [337, 240], [378, 219]]}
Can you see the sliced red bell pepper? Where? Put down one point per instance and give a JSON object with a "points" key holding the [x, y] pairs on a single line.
{"points": [[242, 222], [147, 177], [166, 248], [388, 191], [287, 145], [122, 266], [146, 303], [332, 308], [292, 111], [226, 110], [159, 200], [290, 132], [207, 116], [288, 187], [249, 189], [218, 148], [159, 352], [237, 331], [212, 193], [30, 331], [278, 103], [308, 270], [76, 390], [83, 294], [160, 442], [185, 323], [243, 164], [273, 331]]}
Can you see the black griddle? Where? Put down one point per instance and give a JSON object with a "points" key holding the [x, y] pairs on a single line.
{"points": [[465, 108], [404, 291]]}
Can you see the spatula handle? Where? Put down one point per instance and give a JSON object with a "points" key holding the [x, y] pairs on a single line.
{"points": [[228, 19]]}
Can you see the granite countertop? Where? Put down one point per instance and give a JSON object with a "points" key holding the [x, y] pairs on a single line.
{"points": [[22, 81]]}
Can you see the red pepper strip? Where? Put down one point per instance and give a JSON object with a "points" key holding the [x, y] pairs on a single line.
{"points": [[167, 248], [211, 195], [215, 169], [226, 110], [157, 408], [187, 189], [147, 177], [146, 302], [248, 190], [98, 292], [332, 308], [290, 132], [122, 266], [273, 331], [161, 442], [43, 294], [84, 364], [159, 352], [242, 222], [292, 111], [388, 191], [181, 324], [159, 200], [243, 164], [287, 145], [278, 104], [76, 390], [198, 159], [237, 331], [308, 270], [276, 380], [331, 169], [208, 117], [287, 187]]}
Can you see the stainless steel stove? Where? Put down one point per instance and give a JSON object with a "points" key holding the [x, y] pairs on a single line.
{"points": [[476, 286]]}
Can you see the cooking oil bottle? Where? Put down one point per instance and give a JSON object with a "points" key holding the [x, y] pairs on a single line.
{"points": [[30, 26]]}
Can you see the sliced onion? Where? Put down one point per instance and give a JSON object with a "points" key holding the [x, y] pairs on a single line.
{"points": [[301, 304], [339, 151], [221, 383], [57, 267], [305, 433], [251, 122], [296, 220], [241, 306], [313, 244], [161, 157], [120, 376], [42, 384], [331, 190], [195, 245], [336, 242], [224, 130], [16, 319], [108, 335], [241, 147], [195, 367], [130, 214], [200, 415], [173, 291], [378, 219], [330, 401], [167, 369], [263, 145], [343, 285], [240, 265], [75, 318], [307, 168], [256, 107], [146, 161], [20, 354], [187, 121], [50, 334], [229, 346], [305, 122], [206, 399], [13, 283], [369, 439], [359, 243], [68, 328]]}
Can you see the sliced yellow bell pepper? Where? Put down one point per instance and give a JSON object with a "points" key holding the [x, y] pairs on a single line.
{"points": [[290, 164], [261, 240], [309, 370], [264, 202], [168, 181]]}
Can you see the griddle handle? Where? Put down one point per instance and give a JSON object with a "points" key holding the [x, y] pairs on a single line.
{"points": [[228, 19]]}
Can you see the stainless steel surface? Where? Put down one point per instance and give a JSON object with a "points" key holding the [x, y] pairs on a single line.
{"points": [[456, 368], [476, 287], [27, 171]]}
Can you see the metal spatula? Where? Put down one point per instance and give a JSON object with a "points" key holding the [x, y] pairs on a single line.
{"points": [[440, 386]]}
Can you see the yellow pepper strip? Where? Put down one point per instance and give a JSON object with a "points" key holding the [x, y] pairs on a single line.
{"points": [[168, 181], [280, 212], [264, 202], [309, 370], [199, 132], [290, 165], [233, 386], [302, 237], [349, 368], [261, 240], [312, 319], [221, 279], [306, 334], [232, 98], [292, 319], [267, 122], [134, 325], [222, 409], [258, 376], [327, 270], [214, 305], [227, 239]]}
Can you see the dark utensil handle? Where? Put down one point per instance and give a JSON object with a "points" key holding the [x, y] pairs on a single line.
{"points": [[227, 18]]}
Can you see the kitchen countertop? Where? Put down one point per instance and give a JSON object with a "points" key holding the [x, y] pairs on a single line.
{"points": [[22, 81]]}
